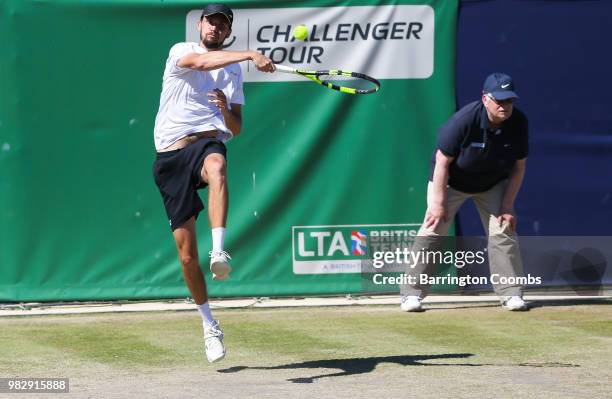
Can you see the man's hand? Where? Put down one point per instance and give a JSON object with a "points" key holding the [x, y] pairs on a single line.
{"points": [[262, 63], [507, 216], [218, 98], [435, 215]]}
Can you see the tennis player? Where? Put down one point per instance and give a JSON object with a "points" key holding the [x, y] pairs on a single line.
{"points": [[200, 109]]}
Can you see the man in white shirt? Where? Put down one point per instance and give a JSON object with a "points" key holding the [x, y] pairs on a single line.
{"points": [[200, 109]]}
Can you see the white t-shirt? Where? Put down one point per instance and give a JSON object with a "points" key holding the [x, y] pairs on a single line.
{"points": [[183, 107]]}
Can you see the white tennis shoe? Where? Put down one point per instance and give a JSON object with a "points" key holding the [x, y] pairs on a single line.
{"points": [[219, 265], [410, 303], [514, 303], [213, 342]]}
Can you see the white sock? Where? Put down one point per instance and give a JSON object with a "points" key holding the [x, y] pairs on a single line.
{"points": [[218, 236], [207, 316]]}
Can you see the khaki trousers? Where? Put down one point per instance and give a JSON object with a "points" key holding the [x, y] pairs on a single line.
{"points": [[503, 248]]}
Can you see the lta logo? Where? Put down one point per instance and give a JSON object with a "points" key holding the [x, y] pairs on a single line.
{"points": [[359, 243], [343, 248]]}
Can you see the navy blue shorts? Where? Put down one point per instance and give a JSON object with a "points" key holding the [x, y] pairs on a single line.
{"points": [[177, 175]]}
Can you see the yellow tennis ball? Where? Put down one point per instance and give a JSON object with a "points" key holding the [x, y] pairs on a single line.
{"points": [[300, 32]]}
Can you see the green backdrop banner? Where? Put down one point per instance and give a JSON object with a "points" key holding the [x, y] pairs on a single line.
{"points": [[80, 215]]}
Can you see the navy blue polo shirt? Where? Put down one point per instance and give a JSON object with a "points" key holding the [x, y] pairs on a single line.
{"points": [[483, 156]]}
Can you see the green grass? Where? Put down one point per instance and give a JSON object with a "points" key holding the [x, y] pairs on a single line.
{"points": [[579, 336]]}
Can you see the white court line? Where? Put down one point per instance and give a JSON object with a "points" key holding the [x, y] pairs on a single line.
{"points": [[39, 309]]}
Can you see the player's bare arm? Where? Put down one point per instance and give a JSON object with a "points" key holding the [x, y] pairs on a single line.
{"points": [[233, 118], [221, 58], [231, 114]]}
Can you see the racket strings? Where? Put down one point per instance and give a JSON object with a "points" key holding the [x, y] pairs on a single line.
{"points": [[348, 81]]}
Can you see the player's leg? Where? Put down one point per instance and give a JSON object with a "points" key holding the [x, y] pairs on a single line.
{"points": [[503, 247], [428, 239], [214, 173], [186, 244]]}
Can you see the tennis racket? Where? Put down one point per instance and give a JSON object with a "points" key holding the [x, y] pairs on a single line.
{"points": [[343, 81]]}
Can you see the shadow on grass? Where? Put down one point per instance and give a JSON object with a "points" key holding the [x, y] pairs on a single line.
{"points": [[354, 366]]}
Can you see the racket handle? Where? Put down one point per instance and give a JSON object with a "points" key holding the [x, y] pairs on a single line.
{"points": [[284, 69]]}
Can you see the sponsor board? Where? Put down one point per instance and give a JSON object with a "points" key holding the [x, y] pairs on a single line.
{"points": [[386, 42], [334, 249]]}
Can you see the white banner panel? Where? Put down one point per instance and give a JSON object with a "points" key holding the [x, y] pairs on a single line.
{"points": [[386, 42]]}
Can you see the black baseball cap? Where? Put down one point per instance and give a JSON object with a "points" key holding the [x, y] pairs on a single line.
{"points": [[217, 8], [500, 86]]}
